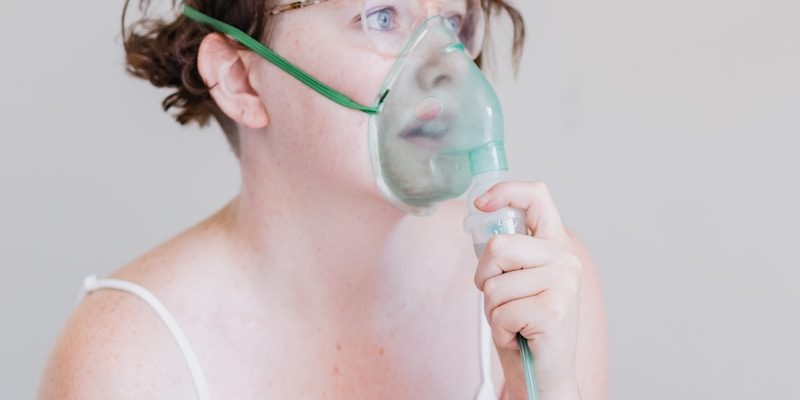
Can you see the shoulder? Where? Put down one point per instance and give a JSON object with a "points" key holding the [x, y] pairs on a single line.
{"points": [[114, 345], [592, 347]]}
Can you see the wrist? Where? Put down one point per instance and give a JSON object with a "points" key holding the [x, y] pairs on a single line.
{"points": [[566, 391], [563, 391]]}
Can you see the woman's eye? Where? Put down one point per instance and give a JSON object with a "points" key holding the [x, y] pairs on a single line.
{"points": [[454, 22], [382, 19]]}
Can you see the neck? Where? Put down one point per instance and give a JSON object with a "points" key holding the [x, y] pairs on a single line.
{"points": [[336, 254]]}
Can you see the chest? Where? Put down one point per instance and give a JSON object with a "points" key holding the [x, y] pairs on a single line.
{"points": [[434, 355]]}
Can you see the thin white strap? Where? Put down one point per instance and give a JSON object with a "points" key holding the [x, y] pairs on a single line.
{"points": [[91, 283], [486, 390]]}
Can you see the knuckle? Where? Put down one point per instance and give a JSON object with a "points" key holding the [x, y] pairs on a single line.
{"points": [[498, 313], [489, 287], [572, 285], [569, 275], [569, 262], [495, 314], [574, 262], [500, 340], [546, 316], [558, 313], [494, 244], [551, 311], [540, 187]]}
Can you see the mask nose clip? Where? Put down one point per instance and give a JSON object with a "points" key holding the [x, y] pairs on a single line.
{"points": [[458, 46]]}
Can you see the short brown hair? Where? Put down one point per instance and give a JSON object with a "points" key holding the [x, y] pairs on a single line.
{"points": [[165, 52]]}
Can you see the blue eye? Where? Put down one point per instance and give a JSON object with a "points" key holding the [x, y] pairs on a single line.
{"points": [[454, 22], [381, 19]]}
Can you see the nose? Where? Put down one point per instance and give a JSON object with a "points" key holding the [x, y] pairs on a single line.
{"points": [[443, 62], [434, 74]]}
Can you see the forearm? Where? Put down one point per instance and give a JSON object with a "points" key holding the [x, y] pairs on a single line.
{"points": [[515, 387], [519, 392]]}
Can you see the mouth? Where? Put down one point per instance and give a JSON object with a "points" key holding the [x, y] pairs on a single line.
{"points": [[429, 134]]}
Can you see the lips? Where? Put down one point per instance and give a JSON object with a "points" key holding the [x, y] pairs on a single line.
{"points": [[428, 134]]}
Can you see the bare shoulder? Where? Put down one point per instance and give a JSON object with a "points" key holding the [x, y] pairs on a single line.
{"points": [[592, 351], [114, 345]]}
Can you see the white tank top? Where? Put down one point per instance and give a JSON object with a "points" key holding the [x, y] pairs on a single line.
{"points": [[92, 283]]}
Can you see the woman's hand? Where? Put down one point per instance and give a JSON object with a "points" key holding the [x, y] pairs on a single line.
{"points": [[531, 286]]}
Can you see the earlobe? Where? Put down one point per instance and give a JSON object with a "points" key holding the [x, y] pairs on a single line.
{"points": [[223, 70]]}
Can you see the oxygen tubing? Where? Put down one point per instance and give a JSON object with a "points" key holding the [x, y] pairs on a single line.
{"points": [[527, 367]]}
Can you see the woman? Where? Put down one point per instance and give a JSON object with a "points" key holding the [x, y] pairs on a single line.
{"points": [[309, 283]]}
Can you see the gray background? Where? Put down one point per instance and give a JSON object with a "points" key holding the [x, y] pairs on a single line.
{"points": [[667, 132]]}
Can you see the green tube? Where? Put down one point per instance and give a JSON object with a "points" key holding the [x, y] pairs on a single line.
{"points": [[527, 367]]}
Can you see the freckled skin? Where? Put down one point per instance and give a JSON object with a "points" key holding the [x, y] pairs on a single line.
{"points": [[385, 286]]}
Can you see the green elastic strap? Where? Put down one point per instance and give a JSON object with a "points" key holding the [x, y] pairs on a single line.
{"points": [[279, 61]]}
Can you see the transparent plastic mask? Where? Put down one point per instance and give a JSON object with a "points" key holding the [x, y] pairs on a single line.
{"points": [[438, 122]]}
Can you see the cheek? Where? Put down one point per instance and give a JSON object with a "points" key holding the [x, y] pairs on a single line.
{"points": [[356, 74], [330, 139]]}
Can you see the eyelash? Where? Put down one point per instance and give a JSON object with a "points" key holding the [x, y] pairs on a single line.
{"points": [[356, 21], [390, 10]]}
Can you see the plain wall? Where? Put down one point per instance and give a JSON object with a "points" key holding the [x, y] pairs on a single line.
{"points": [[666, 131]]}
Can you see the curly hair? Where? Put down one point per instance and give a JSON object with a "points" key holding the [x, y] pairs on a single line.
{"points": [[165, 52]]}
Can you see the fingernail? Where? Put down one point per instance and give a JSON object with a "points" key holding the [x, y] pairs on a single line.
{"points": [[482, 200]]}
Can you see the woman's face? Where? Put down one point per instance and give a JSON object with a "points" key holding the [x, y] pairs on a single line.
{"points": [[325, 142]]}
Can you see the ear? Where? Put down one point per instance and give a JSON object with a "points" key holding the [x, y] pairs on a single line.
{"points": [[221, 66]]}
